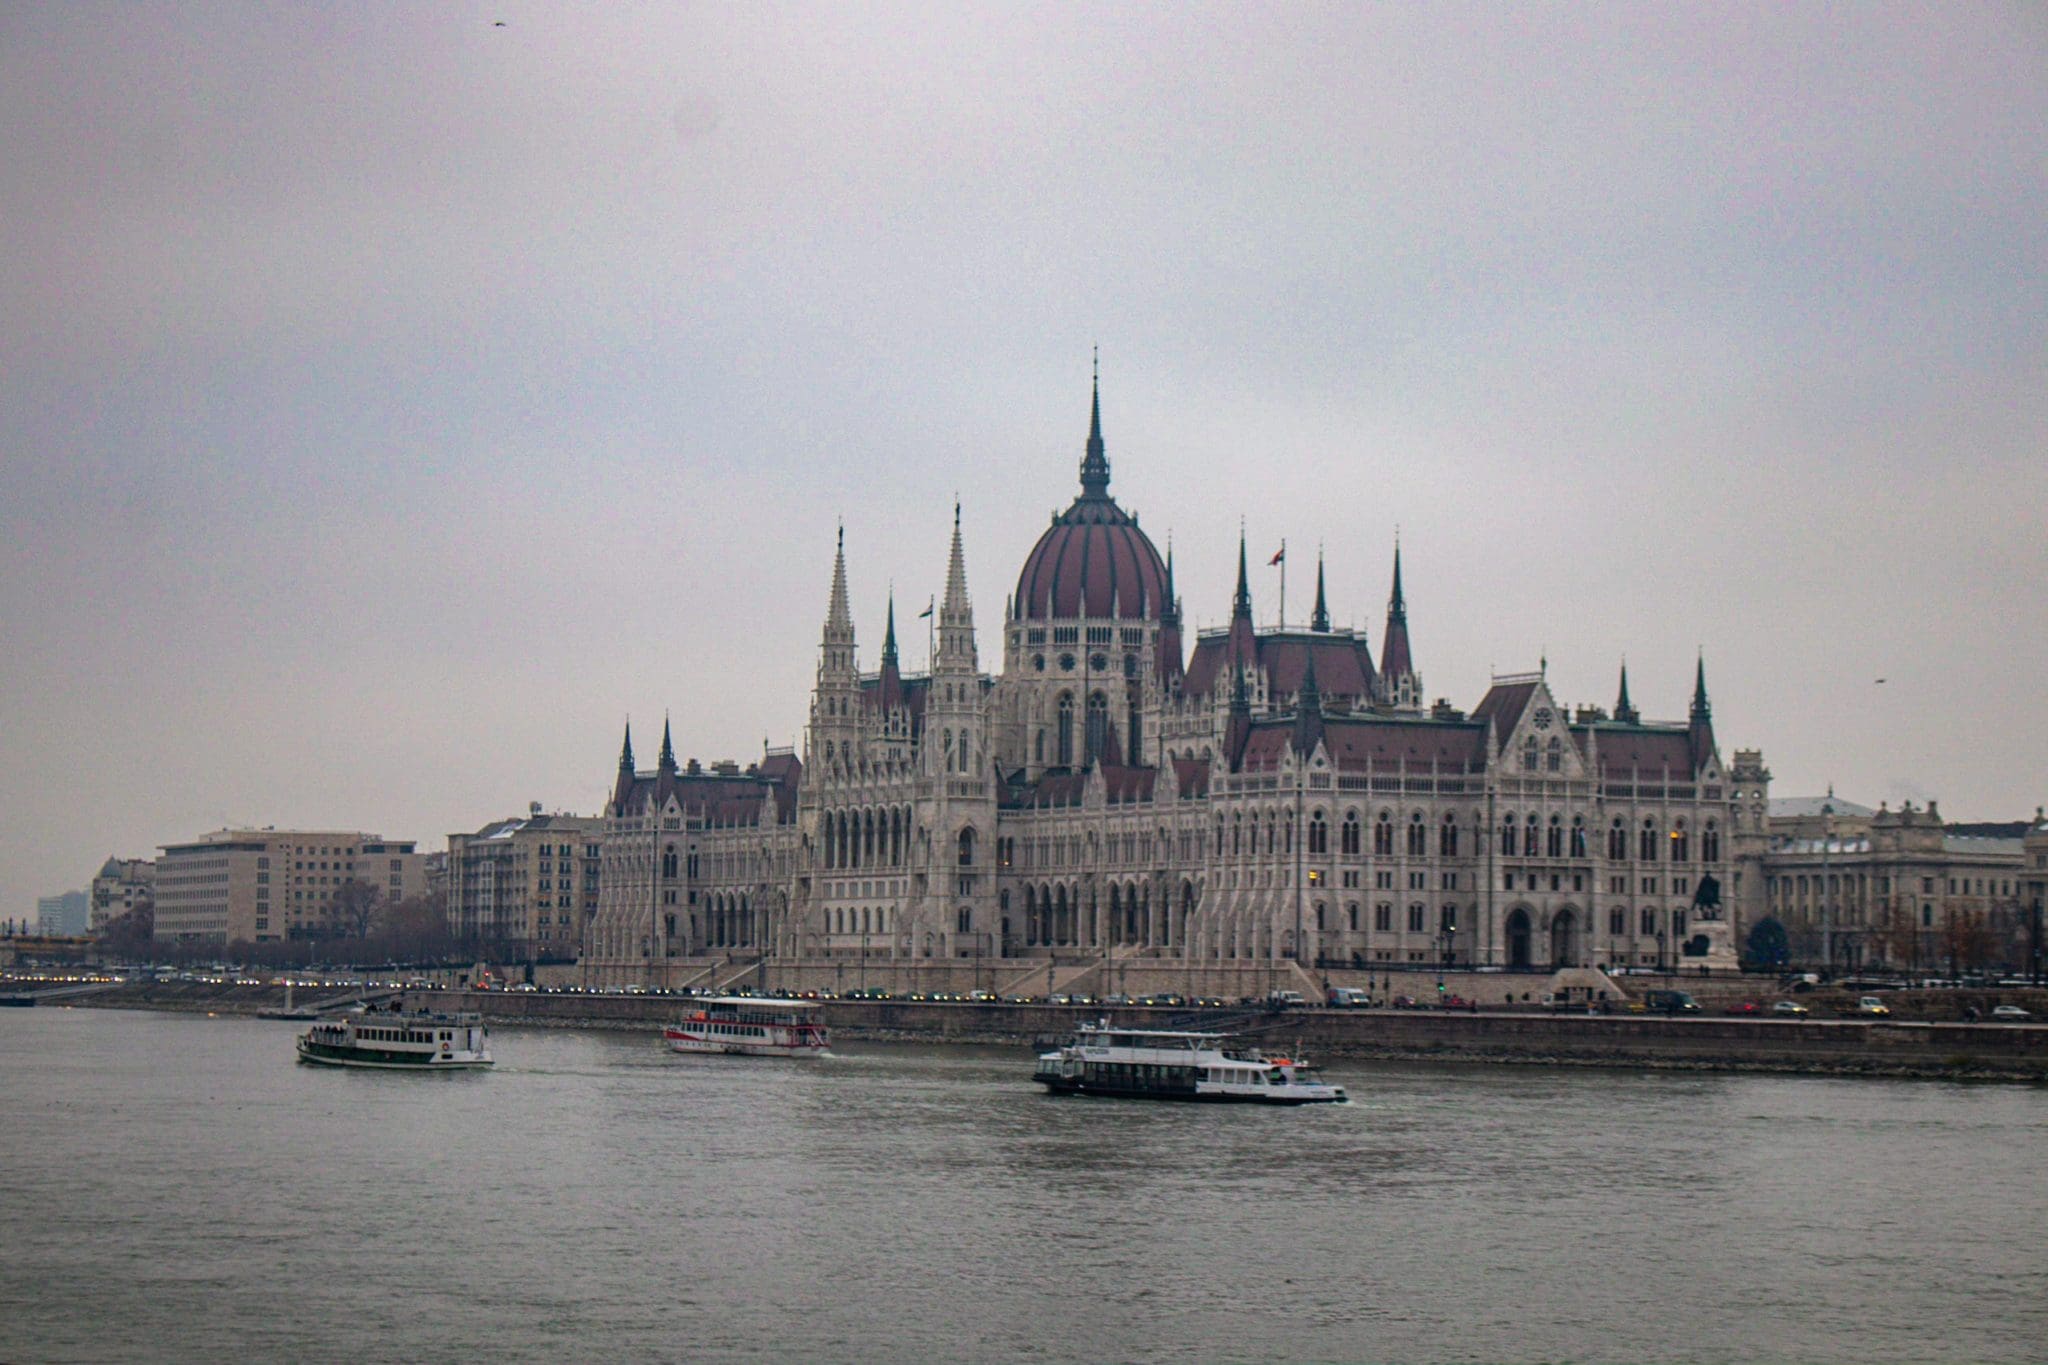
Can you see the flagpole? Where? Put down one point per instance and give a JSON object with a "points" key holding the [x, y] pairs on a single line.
{"points": [[1283, 582]]}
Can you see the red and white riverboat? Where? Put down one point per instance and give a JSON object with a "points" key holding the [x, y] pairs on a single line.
{"points": [[751, 1026]]}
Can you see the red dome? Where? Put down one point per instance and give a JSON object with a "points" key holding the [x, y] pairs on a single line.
{"points": [[1093, 555]]}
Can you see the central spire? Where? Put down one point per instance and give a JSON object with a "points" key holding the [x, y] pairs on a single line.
{"points": [[1241, 604], [1095, 465], [1320, 619], [889, 636]]}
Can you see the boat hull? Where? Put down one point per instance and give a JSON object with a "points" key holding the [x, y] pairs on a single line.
{"points": [[1071, 1085], [679, 1041], [367, 1059]]}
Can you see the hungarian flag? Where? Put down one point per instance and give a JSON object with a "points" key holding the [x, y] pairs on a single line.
{"points": [[926, 612], [1278, 555]]}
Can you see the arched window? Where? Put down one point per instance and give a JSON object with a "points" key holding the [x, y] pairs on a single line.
{"points": [[1447, 837], [1529, 754], [1648, 849], [1578, 836], [1352, 832], [1351, 910], [1529, 839], [1553, 844], [1098, 725], [1418, 836], [1710, 844], [967, 847], [1383, 836], [1681, 843], [668, 861], [1554, 760], [1507, 835], [1617, 842], [1318, 836], [1066, 730]]}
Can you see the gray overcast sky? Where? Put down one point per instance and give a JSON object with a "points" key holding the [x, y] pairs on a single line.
{"points": [[391, 402]]}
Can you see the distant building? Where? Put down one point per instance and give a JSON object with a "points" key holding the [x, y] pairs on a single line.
{"points": [[64, 915], [531, 880], [120, 885], [1855, 887], [267, 885], [1273, 796]]}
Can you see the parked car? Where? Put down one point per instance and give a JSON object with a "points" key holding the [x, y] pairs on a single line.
{"points": [[1872, 1007], [1405, 1002], [1746, 1007], [2011, 1014], [1791, 1007]]}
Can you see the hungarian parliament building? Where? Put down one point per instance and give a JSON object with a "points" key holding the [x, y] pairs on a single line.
{"points": [[1256, 799]]}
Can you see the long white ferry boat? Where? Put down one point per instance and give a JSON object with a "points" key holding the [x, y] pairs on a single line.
{"points": [[751, 1026], [1149, 1064], [399, 1042]]}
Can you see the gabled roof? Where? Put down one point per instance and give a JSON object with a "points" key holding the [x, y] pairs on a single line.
{"points": [[1193, 776], [1790, 807], [1504, 703], [1344, 668], [1359, 743], [1640, 749]]}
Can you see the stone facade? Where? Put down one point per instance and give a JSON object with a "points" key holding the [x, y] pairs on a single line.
{"points": [[530, 881], [118, 887], [1273, 796], [267, 885], [1899, 890]]}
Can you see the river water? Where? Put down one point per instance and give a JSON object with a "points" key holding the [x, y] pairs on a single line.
{"points": [[177, 1188]]}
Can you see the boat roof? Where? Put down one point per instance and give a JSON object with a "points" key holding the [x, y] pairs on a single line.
{"points": [[763, 1002], [1148, 1032]]}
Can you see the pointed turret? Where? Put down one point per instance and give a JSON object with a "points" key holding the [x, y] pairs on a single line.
{"points": [[667, 762], [1624, 710], [1167, 665], [1701, 730], [1308, 711], [622, 786], [1319, 619], [889, 635], [956, 613], [889, 686], [1400, 684], [1095, 464], [1244, 643]]}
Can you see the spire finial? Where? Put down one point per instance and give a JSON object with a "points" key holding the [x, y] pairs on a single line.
{"points": [[889, 636], [1241, 605], [1095, 464], [1397, 604], [626, 751], [668, 748], [1320, 618], [1624, 709], [1700, 709]]}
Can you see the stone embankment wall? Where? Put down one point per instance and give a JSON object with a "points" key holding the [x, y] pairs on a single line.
{"points": [[1846, 1047], [1905, 1045]]}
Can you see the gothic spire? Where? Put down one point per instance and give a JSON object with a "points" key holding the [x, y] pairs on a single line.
{"points": [[956, 612], [1169, 610], [1241, 605], [889, 635], [626, 752], [1397, 605], [1308, 710], [1700, 733], [1095, 465], [838, 615], [1624, 710], [1320, 619], [668, 749]]}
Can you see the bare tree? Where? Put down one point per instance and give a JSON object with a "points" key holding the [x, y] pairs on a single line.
{"points": [[353, 909]]}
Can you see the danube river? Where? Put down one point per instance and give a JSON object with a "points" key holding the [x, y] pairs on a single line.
{"points": [[175, 1188]]}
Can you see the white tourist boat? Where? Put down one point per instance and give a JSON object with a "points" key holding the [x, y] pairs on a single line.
{"points": [[399, 1042], [751, 1026], [1149, 1064]]}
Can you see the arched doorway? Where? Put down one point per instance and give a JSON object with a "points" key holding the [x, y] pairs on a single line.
{"points": [[1564, 939], [1518, 939]]}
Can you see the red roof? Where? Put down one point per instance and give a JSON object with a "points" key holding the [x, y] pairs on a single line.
{"points": [[1504, 703], [1193, 776], [1343, 664], [1091, 557], [1625, 748]]}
